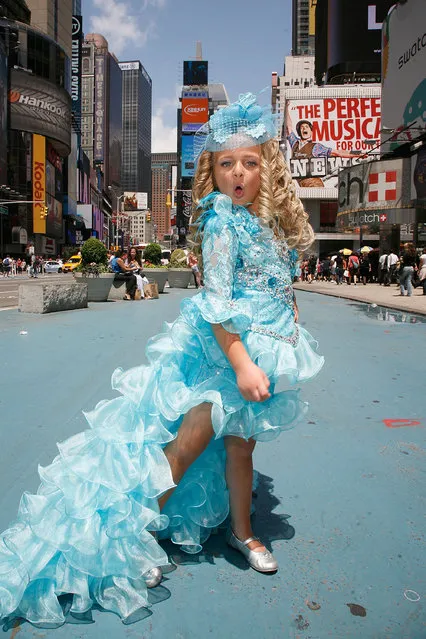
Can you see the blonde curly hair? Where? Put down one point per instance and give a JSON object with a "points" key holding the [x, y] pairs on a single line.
{"points": [[279, 205]]}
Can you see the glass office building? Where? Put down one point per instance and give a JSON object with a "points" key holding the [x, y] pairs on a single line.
{"points": [[137, 112]]}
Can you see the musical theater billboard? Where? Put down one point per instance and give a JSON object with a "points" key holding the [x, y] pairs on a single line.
{"points": [[326, 133]]}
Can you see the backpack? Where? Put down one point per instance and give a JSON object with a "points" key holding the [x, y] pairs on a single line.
{"points": [[6, 262]]}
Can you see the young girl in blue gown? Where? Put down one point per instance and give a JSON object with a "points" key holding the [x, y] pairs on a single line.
{"points": [[171, 456]]}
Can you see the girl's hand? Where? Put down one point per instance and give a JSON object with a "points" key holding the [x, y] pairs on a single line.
{"points": [[252, 383]]}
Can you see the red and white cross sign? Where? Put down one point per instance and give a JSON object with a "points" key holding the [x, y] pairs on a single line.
{"points": [[382, 186]]}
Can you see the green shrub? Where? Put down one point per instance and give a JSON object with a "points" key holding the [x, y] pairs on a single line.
{"points": [[178, 259], [93, 251], [152, 254]]}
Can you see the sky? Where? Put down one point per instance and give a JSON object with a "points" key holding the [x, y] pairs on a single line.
{"points": [[243, 43]]}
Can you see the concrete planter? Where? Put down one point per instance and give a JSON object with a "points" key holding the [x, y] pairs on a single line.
{"points": [[97, 287], [159, 275], [179, 277]]}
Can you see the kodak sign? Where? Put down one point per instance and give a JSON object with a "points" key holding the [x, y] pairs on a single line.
{"points": [[39, 183]]}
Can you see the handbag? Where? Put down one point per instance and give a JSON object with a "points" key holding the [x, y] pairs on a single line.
{"points": [[151, 291], [346, 273]]}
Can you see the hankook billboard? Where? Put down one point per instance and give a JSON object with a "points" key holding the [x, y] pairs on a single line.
{"points": [[40, 107]]}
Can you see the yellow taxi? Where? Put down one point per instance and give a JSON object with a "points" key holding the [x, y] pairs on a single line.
{"points": [[72, 263]]}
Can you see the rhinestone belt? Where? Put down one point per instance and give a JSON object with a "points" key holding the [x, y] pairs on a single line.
{"points": [[291, 339]]}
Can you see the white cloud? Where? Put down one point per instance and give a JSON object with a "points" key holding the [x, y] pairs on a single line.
{"points": [[119, 26], [164, 136]]}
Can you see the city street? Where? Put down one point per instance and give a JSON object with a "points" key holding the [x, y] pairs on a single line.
{"points": [[341, 497]]}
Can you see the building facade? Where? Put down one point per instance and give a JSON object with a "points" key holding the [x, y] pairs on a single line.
{"points": [[137, 115], [35, 75], [163, 208], [101, 116], [303, 33], [140, 228], [55, 19]]}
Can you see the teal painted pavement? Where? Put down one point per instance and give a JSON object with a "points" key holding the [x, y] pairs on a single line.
{"points": [[340, 499]]}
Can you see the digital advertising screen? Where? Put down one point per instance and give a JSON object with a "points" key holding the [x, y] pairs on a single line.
{"points": [[188, 165], [195, 72]]}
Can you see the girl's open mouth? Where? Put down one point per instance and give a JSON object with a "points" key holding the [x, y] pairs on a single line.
{"points": [[239, 191]]}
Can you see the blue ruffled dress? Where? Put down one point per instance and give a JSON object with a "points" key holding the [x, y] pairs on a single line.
{"points": [[86, 531]]}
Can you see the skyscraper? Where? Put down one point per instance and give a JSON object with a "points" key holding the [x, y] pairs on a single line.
{"points": [[164, 173], [101, 114], [53, 18], [137, 112], [303, 33]]}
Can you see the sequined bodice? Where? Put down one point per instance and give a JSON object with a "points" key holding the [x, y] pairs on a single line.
{"points": [[244, 263]]}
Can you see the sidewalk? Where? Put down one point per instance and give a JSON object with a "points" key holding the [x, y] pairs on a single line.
{"points": [[339, 501], [388, 296]]}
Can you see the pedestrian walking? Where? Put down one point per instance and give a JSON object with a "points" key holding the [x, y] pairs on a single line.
{"points": [[422, 271], [382, 268], [7, 266], [209, 387], [408, 263], [391, 262], [364, 268]]}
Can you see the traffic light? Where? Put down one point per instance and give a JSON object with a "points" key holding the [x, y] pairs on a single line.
{"points": [[148, 217], [168, 200], [44, 212]]}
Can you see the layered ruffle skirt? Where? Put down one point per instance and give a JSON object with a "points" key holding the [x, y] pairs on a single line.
{"points": [[86, 532]]}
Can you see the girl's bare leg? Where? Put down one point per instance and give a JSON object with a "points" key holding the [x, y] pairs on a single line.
{"points": [[239, 478], [192, 439]]}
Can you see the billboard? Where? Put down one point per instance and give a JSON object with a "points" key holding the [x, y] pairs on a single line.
{"points": [[403, 69], [195, 72], [39, 183], [100, 107], [188, 165], [39, 106], [135, 201], [321, 135], [375, 193], [195, 113], [76, 43], [3, 114], [353, 38], [312, 8]]}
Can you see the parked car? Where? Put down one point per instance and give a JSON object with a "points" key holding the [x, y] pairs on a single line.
{"points": [[72, 263], [53, 266]]}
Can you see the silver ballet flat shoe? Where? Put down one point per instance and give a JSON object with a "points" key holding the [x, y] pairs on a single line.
{"points": [[260, 561], [153, 577]]}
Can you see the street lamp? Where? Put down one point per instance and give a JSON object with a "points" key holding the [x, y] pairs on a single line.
{"points": [[119, 211]]}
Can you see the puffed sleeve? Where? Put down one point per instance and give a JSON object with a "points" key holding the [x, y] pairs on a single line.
{"points": [[216, 302]]}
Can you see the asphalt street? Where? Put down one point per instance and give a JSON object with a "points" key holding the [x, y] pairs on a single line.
{"points": [[341, 498]]}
